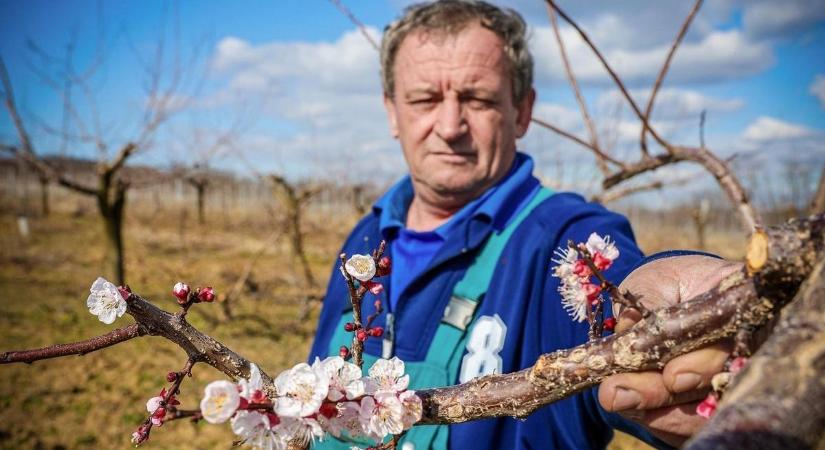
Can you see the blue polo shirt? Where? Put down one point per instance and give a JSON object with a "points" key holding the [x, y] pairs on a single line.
{"points": [[413, 250]]}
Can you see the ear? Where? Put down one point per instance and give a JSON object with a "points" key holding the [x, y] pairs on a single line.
{"points": [[525, 113], [392, 115]]}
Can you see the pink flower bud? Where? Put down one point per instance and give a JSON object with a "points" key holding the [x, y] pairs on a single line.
{"points": [[384, 266], [376, 331], [125, 292], [581, 269], [601, 262], [171, 377], [374, 288], [181, 291], [591, 290], [361, 335], [737, 364], [206, 294], [328, 410], [609, 324], [708, 406], [349, 326], [141, 435], [343, 352]]}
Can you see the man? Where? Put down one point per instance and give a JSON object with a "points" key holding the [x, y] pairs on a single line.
{"points": [[471, 234]]}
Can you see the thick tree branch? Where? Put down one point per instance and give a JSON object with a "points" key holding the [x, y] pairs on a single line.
{"points": [[782, 259], [778, 261], [43, 169], [729, 183], [761, 410]]}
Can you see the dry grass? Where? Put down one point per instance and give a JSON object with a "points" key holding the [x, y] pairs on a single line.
{"points": [[95, 401]]}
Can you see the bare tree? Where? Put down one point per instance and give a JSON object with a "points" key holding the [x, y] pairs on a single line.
{"points": [[617, 171], [164, 81]]}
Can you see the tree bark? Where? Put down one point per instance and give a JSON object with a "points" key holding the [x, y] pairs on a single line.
{"points": [[111, 200], [818, 201], [200, 190], [763, 410], [44, 196]]}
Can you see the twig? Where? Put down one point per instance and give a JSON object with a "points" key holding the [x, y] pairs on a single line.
{"points": [[610, 71], [599, 154], [356, 22], [616, 194], [75, 348], [718, 168], [661, 77], [588, 122]]}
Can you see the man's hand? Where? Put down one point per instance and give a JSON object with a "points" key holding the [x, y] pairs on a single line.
{"points": [[665, 402]]}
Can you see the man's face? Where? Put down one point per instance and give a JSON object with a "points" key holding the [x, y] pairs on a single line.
{"points": [[453, 112]]}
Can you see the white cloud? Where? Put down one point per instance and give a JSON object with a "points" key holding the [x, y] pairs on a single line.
{"points": [[324, 99], [817, 89], [768, 129], [719, 55], [769, 18], [672, 103]]}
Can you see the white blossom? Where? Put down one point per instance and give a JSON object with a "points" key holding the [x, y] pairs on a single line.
{"points": [[105, 301], [220, 401], [153, 404], [345, 379], [574, 300], [411, 404], [382, 415], [302, 430], [252, 384], [361, 267], [565, 260], [301, 390], [256, 430], [387, 375], [607, 249], [347, 420]]}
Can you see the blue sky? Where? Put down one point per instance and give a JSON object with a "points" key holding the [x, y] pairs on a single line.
{"points": [[294, 86]]}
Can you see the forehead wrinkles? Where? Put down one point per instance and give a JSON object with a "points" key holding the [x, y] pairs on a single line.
{"points": [[423, 55]]}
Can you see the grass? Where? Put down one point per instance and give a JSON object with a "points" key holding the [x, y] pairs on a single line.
{"points": [[96, 400]]}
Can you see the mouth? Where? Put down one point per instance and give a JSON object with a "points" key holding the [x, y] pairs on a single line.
{"points": [[455, 157]]}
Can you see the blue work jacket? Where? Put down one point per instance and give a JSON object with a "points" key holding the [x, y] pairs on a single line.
{"points": [[522, 294]]}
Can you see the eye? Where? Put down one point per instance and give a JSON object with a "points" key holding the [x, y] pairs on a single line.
{"points": [[423, 103], [479, 102]]}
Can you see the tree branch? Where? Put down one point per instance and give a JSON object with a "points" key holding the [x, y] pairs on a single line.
{"points": [[610, 71], [356, 22], [76, 348], [778, 261], [729, 183], [785, 412], [588, 122], [741, 299], [661, 77]]}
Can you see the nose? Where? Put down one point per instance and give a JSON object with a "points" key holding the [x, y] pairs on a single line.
{"points": [[450, 123]]}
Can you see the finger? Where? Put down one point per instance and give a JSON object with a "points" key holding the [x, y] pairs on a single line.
{"points": [[674, 424], [642, 390], [695, 370], [627, 318]]}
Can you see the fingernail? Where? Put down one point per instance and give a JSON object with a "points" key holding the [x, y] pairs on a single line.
{"points": [[686, 382], [625, 399]]}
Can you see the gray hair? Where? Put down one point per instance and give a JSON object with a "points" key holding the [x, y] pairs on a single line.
{"points": [[449, 17]]}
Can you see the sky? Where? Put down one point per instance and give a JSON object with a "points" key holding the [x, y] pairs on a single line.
{"points": [[293, 86]]}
